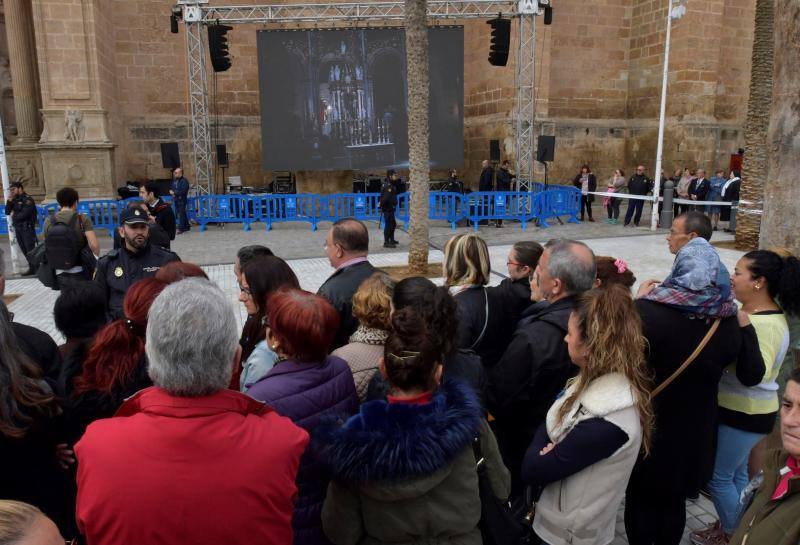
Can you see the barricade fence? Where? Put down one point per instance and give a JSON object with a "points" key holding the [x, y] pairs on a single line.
{"points": [[268, 209]]}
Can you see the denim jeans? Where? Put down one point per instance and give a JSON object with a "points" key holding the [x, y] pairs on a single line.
{"points": [[730, 473]]}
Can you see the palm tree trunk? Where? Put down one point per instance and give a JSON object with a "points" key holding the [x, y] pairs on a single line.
{"points": [[755, 167], [419, 170], [782, 194]]}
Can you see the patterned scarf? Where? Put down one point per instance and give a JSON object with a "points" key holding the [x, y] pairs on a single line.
{"points": [[698, 284], [369, 335]]}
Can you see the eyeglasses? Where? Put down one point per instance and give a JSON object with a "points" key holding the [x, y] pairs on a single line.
{"points": [[244, 290], [514, 263]]}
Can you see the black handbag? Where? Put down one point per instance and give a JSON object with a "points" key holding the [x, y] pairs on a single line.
{"points": [[498, 525]]}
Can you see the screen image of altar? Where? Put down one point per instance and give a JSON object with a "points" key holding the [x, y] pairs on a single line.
{"points": [[336, 99]]}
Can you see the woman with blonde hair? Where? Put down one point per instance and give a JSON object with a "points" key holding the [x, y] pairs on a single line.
{"points": [[584, 453], [372, 306], [466, 269], [22, 523]]}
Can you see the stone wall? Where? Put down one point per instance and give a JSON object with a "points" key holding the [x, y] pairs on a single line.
{"points": [[598, 87]]}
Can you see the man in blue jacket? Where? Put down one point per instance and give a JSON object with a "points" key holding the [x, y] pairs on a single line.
{"points": [[180, 194]]}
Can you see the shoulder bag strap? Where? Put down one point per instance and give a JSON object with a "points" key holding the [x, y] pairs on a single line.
{"points": [[689, 360], [485, 321]]}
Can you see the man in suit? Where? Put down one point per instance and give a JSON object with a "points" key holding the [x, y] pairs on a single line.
{"points": [[486, 182], [699, 188], [347, 245]]}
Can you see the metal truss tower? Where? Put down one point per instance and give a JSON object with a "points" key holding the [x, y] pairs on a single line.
{"points": [[526, 95], [197, 13]]}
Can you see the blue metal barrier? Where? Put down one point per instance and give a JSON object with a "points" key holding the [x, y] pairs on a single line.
{"points": [[524, 207], [499, 205], [446, 206], [362, 206], [556, 202], [222, 209], [104, 214], [281, 208]]}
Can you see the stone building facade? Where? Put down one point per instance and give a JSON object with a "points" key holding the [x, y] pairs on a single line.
{"points": [[91, 88]]}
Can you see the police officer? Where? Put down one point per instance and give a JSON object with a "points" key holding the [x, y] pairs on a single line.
{"points": [[136, 259], [388, 204], [22, 210]]}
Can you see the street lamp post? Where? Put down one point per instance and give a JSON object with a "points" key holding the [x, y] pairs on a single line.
{"points": [[675, 11]]}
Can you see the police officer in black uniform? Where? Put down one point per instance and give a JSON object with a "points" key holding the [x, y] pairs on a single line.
{"points": [[388, 204], [136, 259], [22, 210]]}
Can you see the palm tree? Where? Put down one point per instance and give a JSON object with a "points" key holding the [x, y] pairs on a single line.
{"points": [[782, 195], [419, 171], [755, 167]]}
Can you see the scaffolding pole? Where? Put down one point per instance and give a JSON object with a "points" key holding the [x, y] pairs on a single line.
{"points": [[526, 78]]}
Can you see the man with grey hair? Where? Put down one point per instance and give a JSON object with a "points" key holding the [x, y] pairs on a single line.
{"points": [[536, 364], [159, 465]]}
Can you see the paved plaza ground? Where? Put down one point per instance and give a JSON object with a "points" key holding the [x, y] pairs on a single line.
{"points": [[215, 249]]}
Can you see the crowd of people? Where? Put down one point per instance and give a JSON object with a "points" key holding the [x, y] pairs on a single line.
{"points": [[688, 185], [381, 410]]}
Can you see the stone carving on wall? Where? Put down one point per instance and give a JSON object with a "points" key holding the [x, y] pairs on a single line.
{"points": [[45, 131], [28, 175], [74, 129], [6, 98]]}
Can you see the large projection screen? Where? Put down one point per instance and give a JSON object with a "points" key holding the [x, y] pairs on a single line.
{"points": [[336, 99]]}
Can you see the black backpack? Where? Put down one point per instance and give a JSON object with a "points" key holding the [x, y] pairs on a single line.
{"points": [[63, 245]]}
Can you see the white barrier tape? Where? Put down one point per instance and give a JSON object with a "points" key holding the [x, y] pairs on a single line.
{"points": [[661, 199]]}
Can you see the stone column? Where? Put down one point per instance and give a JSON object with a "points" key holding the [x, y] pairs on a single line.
{"points": [[22, 63]]}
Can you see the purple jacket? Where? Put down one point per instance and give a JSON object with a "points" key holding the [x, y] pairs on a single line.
{"points": [[306, 392]]}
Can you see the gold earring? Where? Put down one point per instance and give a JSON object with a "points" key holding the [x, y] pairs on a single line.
{"points": [[758, 287]]}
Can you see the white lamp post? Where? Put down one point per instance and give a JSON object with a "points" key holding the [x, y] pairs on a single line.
{"points": [[677, 9]]}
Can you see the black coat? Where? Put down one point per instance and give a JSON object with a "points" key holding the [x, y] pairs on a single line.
{"points": [[24, 209], [82, 409], [592, 184], [471, 307], [682, 451], [119, 269], [486, 182], [699, 188], [165, 217], [339, 289], [29, 470], [525, 382], [41, 349], [388, 197], [513, 297], [504, 179], [639, 184]]}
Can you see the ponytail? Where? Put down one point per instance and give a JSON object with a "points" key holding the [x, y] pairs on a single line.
{"points": [[410, 354], [782, 275]]}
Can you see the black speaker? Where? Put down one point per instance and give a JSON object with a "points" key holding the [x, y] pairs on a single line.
{"points": [[218, 47], [170, 156], [546, 148], [494, 150], [548, 15], [222, 155], [501, 39]]}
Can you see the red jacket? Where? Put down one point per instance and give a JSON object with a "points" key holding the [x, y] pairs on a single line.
{"points": [[169, 470]]}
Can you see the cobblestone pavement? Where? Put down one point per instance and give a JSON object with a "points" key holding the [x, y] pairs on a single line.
{"points": [[646, 253]]}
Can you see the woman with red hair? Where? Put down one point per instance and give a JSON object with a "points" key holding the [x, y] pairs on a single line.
{"points": [[114, 367], [306, 384]]}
